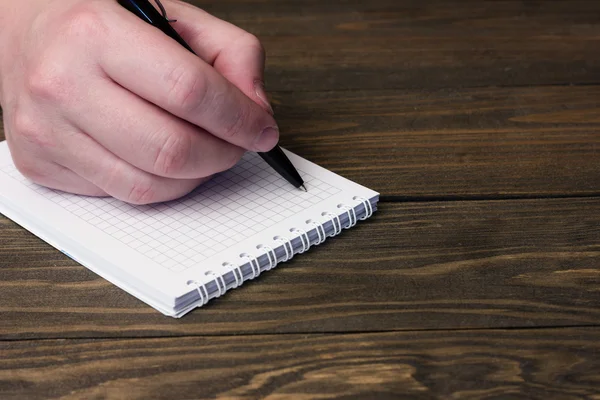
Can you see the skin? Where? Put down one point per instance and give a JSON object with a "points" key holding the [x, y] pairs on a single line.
{"points": [[140, 119]]}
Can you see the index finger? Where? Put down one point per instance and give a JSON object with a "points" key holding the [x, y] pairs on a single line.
{"points": [[236, 54], [147, 62]]}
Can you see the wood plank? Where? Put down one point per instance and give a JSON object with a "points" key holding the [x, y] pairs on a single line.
{"points": [[494, 142], [491, 142], [382, 44], [447, 265], [535, 364]]}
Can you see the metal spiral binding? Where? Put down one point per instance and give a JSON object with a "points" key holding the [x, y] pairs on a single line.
{"points": [[337, 229], [272, 259], [239, 279], [303, 238], [200, 287], [253, 261], [219, 281], [320, 231], [352, 220], [285, 241], [287, 246], [368, 207]]}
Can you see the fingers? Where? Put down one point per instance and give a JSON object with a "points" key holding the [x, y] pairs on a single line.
{"points": [[33, 160], [57, 177], [61, 178], [148, 137], [158, 69], [116, 177], [236, 54]]}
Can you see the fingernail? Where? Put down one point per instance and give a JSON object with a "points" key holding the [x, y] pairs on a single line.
{"points": [[267, 139], [259, 89]]}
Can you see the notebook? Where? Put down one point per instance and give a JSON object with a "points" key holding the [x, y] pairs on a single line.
{"points": [[179, 255]]}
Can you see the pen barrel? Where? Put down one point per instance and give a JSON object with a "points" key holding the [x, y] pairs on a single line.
{"points": [[146, 11], [277, 159]]}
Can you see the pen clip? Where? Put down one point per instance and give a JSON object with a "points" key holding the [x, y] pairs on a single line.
{"points": [[163, 11]]}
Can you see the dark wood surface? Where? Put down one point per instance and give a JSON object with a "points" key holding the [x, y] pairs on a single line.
{"points": [[438, 265], [452, 143], [479, 276], [399, 44], [532, 364]]}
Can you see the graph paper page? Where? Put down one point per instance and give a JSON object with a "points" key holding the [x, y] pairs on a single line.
{"points": [[246, 205]]}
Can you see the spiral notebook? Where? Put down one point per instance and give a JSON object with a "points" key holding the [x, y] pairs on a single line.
{"points": [[178, 255]]}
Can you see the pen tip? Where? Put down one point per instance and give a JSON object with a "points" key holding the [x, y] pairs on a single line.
{"points": [[303, 188]]}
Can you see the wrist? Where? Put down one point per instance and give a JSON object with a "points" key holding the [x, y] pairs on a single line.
{"points": [[12, 21], [7, 15]]}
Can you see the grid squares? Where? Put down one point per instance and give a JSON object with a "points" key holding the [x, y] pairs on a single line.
{"points": [[230, 208]]}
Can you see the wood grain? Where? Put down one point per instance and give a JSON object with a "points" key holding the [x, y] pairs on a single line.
{"points": [[533, 364], [383, 44], [420, 100], [413, 266], [494, 142]]}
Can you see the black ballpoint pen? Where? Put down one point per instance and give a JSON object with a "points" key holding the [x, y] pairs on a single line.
{"points": [[276, 158]]}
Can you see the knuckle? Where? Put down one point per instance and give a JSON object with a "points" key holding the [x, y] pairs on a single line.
{"points": [[141, 192], [173, 155], [78, 28], [26, 128], [85, 22], [253, 42], [49, 77], [47, 82], [30, 169], [186, 89]]}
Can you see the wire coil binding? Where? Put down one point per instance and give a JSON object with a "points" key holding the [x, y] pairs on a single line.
{"points": [[287, 245], [289, 253], [337, 229], [320, 231], [237, 274], [352, 220], [220, 281], [271, 256], [303, 238], [253, 261], [368, 207], [200, 288]]}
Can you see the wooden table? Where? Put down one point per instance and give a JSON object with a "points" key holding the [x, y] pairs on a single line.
{"points": [[479, 276]]}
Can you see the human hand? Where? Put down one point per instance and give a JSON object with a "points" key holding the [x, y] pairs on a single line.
{"points": [[98, 102]]}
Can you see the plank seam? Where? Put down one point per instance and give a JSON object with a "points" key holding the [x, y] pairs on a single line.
{"points": [[507, 197], [329, 333], [434, 89]]}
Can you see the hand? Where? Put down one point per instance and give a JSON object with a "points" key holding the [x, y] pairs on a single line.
{"points": [[98, 102]]}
